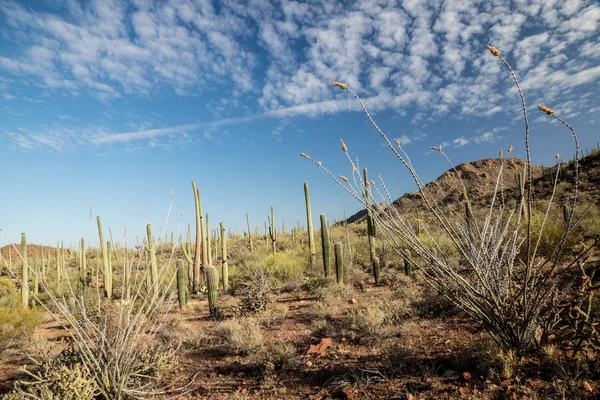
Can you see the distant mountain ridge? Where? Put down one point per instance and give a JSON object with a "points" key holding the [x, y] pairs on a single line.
{"points": [[479, 178]]}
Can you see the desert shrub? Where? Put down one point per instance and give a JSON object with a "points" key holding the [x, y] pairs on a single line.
{"points": [[17, 326], [239, 335], [256, 287], [273, 315], [277, 356], [312, 284], [399, 304], [330, 301], [398, 359], [65, 377]]}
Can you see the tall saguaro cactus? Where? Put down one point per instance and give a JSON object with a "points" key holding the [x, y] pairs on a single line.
{"points": [[25, 277], [249, 233], [371, 227], [107, 276], [311, 238], [212, 283], [339, 263], [224, 264], [198, 249], [83, 264], [181, 285], [152, 252], [326, 246], [208, 242], [272, 230]]}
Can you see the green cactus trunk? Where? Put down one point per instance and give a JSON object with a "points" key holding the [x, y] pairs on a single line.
{"points": [[83, 263], [212, 284], [224, 264], [36, 280], [371, 228], [249, 234], [181, 284], [208, 242], [127, 282], [25, 275], [272, 230], [311, 238], [107, 276], [58, 269], [408, 269], [198, 248], [339, 263], [152, 253], [326, 246], [377, 270]]}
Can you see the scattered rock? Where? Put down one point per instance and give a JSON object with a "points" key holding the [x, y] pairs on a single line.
{"points": [[466, 376], [352, 301], [587, 386], [319, 349]]}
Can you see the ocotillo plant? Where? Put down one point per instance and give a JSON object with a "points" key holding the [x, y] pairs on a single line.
{"points": [[212, 284], [311, 239], [249, 234], [470, 220], [36, 281], [152, 252], [224, 265], [107, 271], [339, 263], [370, 227], [326, 246], [181, 284], [272, 230], [25, 287]]}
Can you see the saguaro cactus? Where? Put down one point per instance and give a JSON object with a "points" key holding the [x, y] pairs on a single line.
{"points": [[82, 263], [224, 265], [212, 284], [25, 277], [311, 239], [370, 227], [208, 241], [152, 252], [326, 246], [272, 230], [339, 263], [181, 284], [408, 269], [107, 275], [201, 244], [249, 233]]}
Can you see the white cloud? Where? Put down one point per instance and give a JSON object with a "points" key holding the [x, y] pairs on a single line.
{"points": [[460, 142], [281, 56]]}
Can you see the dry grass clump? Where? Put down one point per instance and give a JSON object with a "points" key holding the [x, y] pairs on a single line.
{"points": [[277, 356], [276, 314], [239, 335], [330, 301], [398, 359]]}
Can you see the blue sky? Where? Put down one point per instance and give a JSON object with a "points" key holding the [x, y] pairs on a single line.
{"points": [[116, 103]]}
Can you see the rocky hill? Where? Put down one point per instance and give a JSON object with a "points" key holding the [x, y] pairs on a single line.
{"points": [[479, 178]]}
